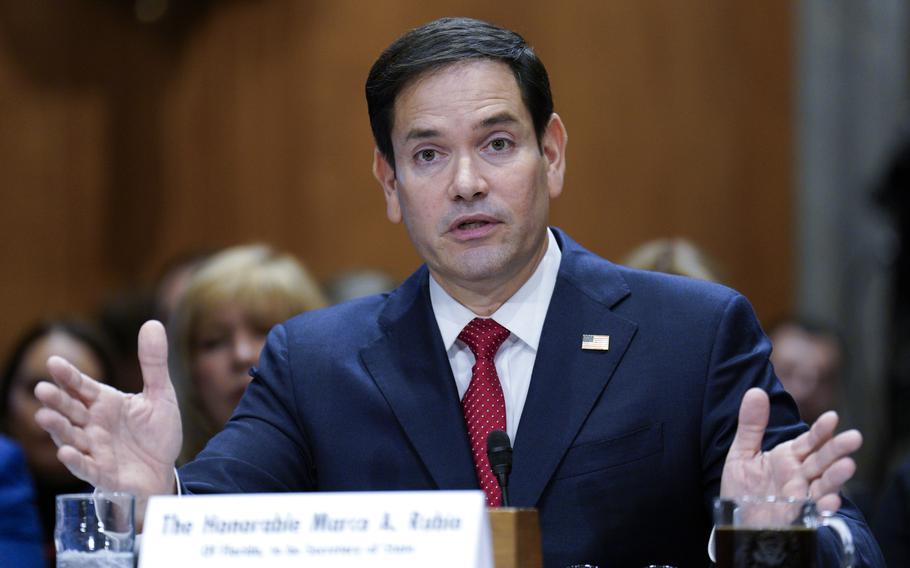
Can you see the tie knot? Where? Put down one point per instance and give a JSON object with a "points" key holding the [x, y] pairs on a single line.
{"points": [[484, 337]]}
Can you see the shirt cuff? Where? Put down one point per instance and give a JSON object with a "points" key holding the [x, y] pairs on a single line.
{"points": [[711, 546]]}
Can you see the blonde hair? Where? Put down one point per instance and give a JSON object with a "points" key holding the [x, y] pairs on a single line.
{"points": [[269, 287], [673, 256]]}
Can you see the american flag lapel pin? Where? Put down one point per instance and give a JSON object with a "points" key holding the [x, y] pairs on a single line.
{"points": [[595, 342]]}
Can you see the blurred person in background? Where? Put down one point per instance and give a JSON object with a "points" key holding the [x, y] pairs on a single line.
{"points": [[891, 523], [173, 281], [20, 532], [673, 256], [123, 312], [809, 360], [219, 327], [24, 369], [120, 315]]}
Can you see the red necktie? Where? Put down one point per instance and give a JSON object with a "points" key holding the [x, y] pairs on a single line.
{"points": [[483, 404]]}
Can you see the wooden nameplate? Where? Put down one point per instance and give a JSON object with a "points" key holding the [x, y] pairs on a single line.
{"points": [[516, 538]]}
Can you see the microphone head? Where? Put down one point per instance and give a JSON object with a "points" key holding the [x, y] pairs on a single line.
{"points": [[499, 452]]}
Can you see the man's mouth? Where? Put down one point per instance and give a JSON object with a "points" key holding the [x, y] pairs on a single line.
{"points": [[473, 227], [468, 225], [472, 222]]}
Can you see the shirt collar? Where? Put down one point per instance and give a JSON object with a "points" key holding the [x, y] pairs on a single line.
{"points": [[523, 314]]}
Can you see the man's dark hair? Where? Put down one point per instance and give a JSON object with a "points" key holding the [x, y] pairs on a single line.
{"points": [[443, 42]]}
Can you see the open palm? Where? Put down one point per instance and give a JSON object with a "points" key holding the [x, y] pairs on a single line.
{"points": [[815, 464], [113, 440]]}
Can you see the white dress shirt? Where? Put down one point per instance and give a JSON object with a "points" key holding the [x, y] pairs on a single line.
{"points": [[523, 315]]}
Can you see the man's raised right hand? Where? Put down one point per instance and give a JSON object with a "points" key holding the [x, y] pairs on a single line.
{"points": [[114, 440]]}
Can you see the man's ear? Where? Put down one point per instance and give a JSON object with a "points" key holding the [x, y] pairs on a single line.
{"points": [[385, 175], [553, 144]]}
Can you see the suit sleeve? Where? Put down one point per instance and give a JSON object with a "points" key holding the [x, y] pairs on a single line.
{"points": [[739, 361], [263, 447]]}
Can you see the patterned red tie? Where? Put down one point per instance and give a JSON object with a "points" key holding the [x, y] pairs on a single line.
{"points": [[483, 404]]}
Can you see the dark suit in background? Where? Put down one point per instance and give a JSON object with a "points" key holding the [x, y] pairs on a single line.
{"points": [[622, 451], [21, 542], [892, 520]]}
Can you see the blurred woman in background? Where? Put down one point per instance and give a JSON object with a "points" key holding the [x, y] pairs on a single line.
{"points": [[84, 346], [674, 256], [219, 327]]}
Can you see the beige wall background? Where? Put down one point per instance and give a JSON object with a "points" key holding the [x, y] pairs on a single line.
{"points": [[124, 143]]}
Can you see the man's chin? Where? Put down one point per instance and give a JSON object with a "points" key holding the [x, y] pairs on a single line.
{"points": [[477, 266]]}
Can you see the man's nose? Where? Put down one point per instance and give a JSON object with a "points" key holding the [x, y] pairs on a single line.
{"points": [[468, 184]]}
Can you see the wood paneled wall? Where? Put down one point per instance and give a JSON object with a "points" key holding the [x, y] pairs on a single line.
{"points": [[124, 143]]}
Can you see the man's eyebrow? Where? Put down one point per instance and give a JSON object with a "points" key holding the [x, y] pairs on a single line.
{"points": [[421, 134], [504, 117], [495, 120]]}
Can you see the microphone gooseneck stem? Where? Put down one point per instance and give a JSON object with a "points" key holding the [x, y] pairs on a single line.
{"points": [[504, 485], [499, 454]]}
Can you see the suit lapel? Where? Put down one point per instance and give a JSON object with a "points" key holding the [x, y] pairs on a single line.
{"points": [[410, 367], [567, 381]]}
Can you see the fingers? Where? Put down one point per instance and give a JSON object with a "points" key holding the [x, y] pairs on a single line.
{"points": [[81, 465], [818, 462], [72, 443], [833, 479], [821, 431], [830, 502], [62, 431], [826, 461], [57, 399], [753, 420], [53, 423], [72, 380], [153, 358]]}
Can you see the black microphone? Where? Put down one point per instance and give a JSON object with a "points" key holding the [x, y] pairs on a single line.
{"points": [[499, 452]]}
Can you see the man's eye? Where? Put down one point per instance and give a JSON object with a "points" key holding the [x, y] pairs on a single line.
{"points": [[426, 155], [500, 144]]}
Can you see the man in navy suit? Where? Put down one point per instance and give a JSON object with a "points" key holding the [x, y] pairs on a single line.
{"points": [[633, 398]]}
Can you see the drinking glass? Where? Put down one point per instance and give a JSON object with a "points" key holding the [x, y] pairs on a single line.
{"points": [[95, 530], [758, 532]]}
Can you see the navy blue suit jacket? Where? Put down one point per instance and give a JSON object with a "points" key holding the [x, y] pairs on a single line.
{"points": [[620, 450]]}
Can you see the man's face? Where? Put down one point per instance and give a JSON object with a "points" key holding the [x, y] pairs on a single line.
{"points": [[471, 183]]}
